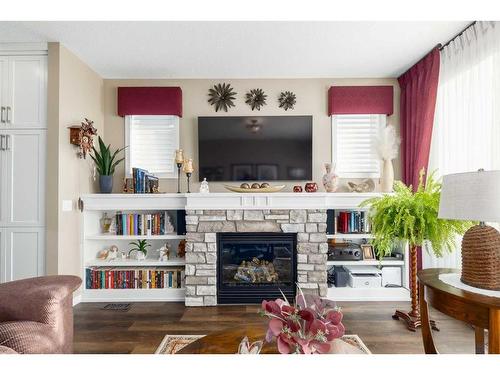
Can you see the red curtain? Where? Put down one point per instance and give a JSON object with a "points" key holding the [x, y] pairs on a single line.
{"points": [[149, 101], [418, 102], [350, 100]]}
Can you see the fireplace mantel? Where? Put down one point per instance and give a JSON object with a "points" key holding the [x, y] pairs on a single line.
{"points": [[226, 201], [259, 201]]}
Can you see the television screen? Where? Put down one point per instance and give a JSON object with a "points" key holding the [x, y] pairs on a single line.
{"points": [[256, 148]]}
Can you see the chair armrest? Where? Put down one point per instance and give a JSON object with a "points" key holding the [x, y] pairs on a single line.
{"points": [[36, 299]]}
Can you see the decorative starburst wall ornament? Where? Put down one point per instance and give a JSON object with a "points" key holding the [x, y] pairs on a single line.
{"points": [[256, 99], [287, 100], [221, 96]]}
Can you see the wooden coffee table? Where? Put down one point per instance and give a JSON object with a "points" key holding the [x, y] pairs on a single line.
{"points": [[228, 340], [481, 311]]}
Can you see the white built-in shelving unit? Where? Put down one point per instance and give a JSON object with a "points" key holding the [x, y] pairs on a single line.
{"points": [[366, 294], [93, 241]]}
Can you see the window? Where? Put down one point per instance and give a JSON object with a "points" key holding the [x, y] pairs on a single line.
{"points": [[151, 141], [353, 145]]}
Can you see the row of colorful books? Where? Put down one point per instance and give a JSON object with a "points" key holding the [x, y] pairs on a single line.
{"points": [[143, 278], [352, 222], [143, 224], [144, 182]]}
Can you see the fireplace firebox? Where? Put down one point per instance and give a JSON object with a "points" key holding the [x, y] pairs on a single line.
{"points": [[256, 266]]}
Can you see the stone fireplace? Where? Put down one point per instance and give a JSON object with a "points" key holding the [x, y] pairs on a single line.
{"points": [[255, 266], [205, 228]]}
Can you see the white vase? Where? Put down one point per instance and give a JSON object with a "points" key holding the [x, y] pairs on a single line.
{"points": [[387, 180], [330, 179]]}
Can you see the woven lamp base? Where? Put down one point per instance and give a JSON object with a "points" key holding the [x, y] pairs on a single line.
{"points": [[481, 257]]}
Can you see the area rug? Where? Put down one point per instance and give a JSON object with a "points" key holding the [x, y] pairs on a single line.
{"points": [[171, 344]]}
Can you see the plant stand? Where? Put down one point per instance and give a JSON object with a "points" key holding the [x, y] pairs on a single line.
{"points": [[412, 318]]}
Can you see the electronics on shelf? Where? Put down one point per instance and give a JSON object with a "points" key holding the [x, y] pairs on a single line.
{"points": [[345, 251]]}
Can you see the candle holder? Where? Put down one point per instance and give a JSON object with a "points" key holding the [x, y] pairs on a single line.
{"points": [[179, 166], [188, 175]]}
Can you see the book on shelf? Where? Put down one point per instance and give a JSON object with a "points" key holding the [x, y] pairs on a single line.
{"points": [[144, 182], [352, 222], [153, 224], [135, 278]]}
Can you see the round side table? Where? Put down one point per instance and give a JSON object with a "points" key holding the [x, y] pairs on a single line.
{"points": [[482, 312]]}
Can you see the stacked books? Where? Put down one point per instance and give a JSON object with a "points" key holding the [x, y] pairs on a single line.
{"points": [[143, 224], [143, 278], [144, 182], [352, 222]]}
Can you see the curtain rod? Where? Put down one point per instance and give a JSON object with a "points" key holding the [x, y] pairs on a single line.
{"points": [[456, 36]]}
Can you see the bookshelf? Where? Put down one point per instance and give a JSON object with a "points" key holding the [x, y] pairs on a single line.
{"points": [[93, 241], [348, 293]]}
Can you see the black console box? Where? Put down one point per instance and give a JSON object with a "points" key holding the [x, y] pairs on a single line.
{"points": [[350, 252]]}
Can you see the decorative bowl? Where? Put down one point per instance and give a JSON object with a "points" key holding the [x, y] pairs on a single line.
{"points": [[311, 187], [269, 189]]}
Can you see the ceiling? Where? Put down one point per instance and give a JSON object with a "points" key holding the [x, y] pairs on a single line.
{"points": [[165, 49]]}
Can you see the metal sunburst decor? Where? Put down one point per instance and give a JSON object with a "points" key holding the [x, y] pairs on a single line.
{"points": [[287, 100], [256, 99], [221, 96]]}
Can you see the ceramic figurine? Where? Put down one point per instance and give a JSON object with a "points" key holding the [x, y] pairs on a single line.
{"points": [[123, 255], [246, 348], [181, 249], [311, 187], [204, 189], [103, 254], [297, 189], [169, 228], [364, 186], [164, 252], [112, 253], [330, 179]]}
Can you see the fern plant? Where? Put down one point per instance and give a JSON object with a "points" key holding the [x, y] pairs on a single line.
{"points": [[105, 160], [412, 217]]}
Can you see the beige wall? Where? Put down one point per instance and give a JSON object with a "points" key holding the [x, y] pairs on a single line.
{"points": [[311, 100], [75, 92]]}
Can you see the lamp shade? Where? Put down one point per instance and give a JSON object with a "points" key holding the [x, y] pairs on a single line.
{"points": [[471, 196]]}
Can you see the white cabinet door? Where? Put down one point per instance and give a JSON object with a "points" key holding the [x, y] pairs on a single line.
{"points": [[24, 253], [27, 92], [3, 262], [4, 174], [24, 162], [4, 83]]}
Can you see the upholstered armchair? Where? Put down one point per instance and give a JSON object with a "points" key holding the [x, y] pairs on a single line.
{"points": [[36, 315]]}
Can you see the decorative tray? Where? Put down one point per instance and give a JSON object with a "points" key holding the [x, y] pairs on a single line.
{"points": [[269, 189]]}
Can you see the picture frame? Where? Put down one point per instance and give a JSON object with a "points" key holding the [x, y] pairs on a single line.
{"points": [[368, 252]]}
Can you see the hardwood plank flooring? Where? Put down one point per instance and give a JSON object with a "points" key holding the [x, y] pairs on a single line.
{"points": [[141, 329]]}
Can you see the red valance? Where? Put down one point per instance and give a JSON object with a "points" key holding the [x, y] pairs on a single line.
{"points": [[149, 101], [354, 100]]}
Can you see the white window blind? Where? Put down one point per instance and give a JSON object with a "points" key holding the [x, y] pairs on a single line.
{"points": [[152, 141], [353, 145]]}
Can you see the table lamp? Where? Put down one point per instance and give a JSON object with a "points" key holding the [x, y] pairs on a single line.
{"points": [[475, 196]]}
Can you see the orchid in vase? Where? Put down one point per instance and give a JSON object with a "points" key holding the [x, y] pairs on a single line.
{"points": [[307, 327]]}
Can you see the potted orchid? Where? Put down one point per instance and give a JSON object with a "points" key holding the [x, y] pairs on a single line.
{"points": [[309, 326]]}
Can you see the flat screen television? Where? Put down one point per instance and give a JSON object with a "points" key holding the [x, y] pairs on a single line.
{"points": [[255, 148]]}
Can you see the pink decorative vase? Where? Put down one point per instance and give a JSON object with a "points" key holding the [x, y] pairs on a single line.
{"points": [[330, 179]]}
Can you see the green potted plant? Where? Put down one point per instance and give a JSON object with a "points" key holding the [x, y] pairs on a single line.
{"points": [[105, 163], [412, 217], [140, 246]]}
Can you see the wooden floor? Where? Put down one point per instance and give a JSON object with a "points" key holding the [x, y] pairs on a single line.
{"points": [[141, 329]]}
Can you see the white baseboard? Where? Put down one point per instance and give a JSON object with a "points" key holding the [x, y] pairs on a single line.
{"points": [[77, 299]]}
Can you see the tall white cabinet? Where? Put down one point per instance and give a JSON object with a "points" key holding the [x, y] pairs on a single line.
{"points": [[23, 124]]}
